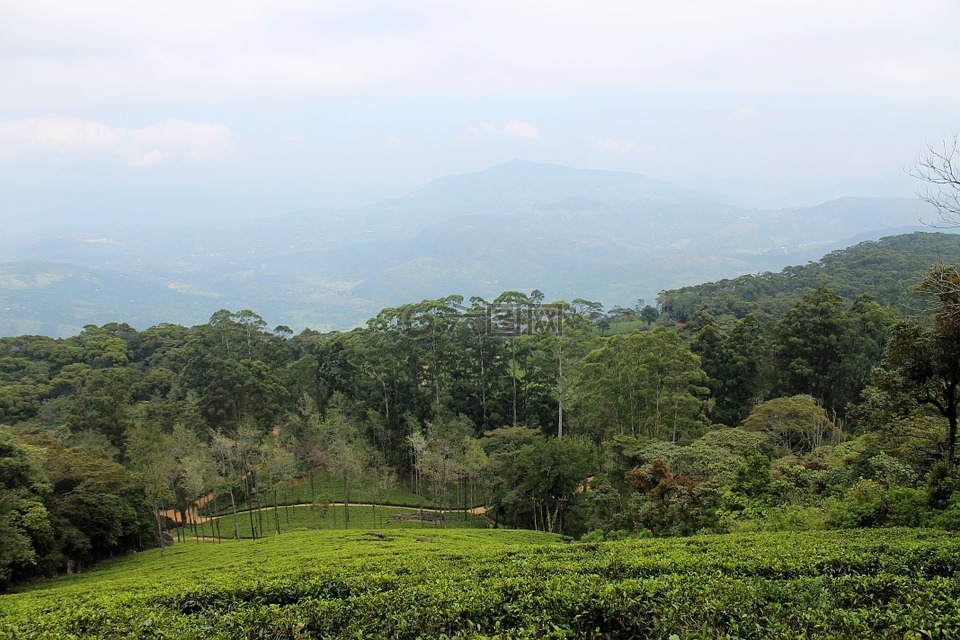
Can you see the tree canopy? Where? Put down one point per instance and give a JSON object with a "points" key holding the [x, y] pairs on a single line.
{"points": [[549, 415]]}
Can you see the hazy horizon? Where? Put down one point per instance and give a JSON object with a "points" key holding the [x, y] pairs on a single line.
{"points": [[127, 114]]}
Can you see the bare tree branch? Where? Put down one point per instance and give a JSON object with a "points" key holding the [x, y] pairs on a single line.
{"points": [[943, 284], [939, 167]]}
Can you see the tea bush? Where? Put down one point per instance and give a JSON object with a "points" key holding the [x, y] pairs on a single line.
{"points": [[468, 583]]}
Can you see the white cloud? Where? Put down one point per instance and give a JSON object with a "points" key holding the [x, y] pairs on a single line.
{"points": [[174, 141], [57, 54], [616, 147], [518, 129], [513, 129], [316, 87]]}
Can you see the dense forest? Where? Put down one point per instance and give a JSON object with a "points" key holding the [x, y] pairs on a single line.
{"points": [[776, 402], [886, 269]]}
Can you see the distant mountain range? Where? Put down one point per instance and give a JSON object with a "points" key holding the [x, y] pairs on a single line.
{"points": [[608, 236]]}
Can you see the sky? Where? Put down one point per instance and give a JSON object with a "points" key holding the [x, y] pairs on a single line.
{"points": [[126, 112]]}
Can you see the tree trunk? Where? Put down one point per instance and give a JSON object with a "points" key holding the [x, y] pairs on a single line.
{"points": [[248, 486], [513, 344], [560, 377], [253, 524], [236, 518], [483, 389], [951, 430], [156, 513], [420, 494], [276, 511], [346, 501], [555, 519]]}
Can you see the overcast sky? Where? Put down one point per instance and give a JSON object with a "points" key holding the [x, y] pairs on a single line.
{"points": [[210, 109]]}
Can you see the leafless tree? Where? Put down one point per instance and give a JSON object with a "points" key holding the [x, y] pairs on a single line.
{"points": [[939, 168], [942, 284]]}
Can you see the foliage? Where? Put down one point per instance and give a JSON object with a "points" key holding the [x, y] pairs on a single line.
{"points": [[795, 424], [484, 584], [736, 362], [524, 407], [643, 384], [878, 269], [541, 479], [666, 503], [923, 361], [25, 526], [64, 508]]}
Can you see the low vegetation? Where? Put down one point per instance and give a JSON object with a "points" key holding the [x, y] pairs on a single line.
{"points": [[893, 583]]}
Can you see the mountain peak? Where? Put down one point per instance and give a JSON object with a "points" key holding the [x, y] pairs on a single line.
{"points": [[521, 183]]}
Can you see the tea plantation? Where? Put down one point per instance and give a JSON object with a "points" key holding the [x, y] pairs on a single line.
{"points": [[470, 583]]}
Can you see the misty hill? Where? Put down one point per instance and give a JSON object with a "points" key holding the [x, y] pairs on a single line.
{"points": [[501, 190], [59, 299], [602, 235]]}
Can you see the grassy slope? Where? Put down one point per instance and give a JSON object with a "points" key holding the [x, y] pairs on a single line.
{"points": [[362, 491], [300, 518], [484, 583]]}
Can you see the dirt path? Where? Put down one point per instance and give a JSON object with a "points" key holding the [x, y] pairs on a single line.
{"points": [[193, 515]]}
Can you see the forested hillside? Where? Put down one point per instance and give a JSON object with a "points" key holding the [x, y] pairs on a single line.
{"points": [[838, 411], [885, 269]]}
